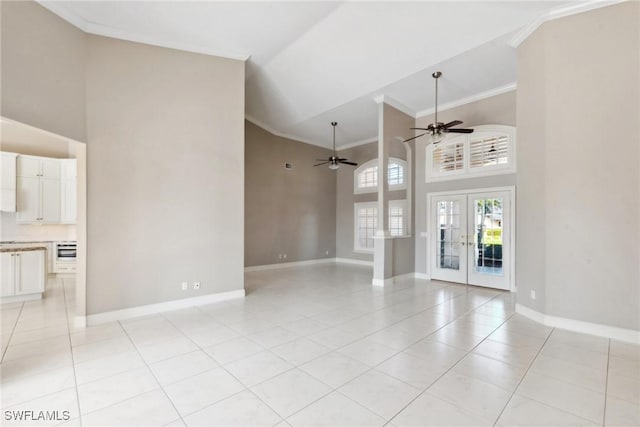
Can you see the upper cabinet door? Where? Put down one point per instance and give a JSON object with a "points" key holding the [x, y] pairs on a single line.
{"points": [[29, 166], [8, 182], [50, 168], [69, 201], [28, 193], [50, 196]]}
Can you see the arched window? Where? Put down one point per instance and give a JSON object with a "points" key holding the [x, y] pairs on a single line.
{"points": [[366, 176]]}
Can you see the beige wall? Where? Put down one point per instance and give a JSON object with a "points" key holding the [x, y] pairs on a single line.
{"points": [[165, 173], [499, 109], [288, 212], [43, 60], [582, 176]]}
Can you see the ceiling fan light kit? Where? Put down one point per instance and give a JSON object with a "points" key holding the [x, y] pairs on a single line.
{"points": [[438, 131], [334, 161]]}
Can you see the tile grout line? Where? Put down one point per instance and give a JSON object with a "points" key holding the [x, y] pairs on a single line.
{"points": [[152, 374], [246, 388], [294, 366], [606, 385], [455, 364], [15, 325], [371, 368], [523, 377], [73, 364], [331, 387]]}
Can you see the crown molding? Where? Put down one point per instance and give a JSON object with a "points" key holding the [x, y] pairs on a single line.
{"points": [[271, 130], [280, 134], [357, 143], [89, 27], [559, 12], [386, 99], [473, 98]]}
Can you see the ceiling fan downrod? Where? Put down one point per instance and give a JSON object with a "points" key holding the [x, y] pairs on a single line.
{"points": [[436, 76]]}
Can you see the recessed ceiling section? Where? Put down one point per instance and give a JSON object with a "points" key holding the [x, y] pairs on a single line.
{"points": [[311, 63]]}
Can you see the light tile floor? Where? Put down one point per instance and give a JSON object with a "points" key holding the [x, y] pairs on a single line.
{"points": [[317, 346]]}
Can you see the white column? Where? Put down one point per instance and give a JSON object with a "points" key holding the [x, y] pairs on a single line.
{"points": [[383, 242]]}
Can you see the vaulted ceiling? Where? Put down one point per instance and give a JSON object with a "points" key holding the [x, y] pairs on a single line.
{"points": [[309, 63]]}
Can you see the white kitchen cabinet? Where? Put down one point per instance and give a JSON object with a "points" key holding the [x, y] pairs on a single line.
{"points": [[31, 278], [38, 190], [68, 191], [23, 273], [7, 274], [50, 201], [29, 166], [35, 166], [28, 194], [8, 182], [38, 201]]}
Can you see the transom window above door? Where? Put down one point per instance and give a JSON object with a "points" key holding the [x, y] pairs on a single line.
{"points": [[366, 176], [489, 150]]}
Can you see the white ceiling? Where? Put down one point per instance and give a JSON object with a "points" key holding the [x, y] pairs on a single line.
{"points": [[310, 63]]}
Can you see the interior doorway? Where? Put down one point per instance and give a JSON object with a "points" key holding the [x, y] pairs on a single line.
{"points": [[471, 237]]}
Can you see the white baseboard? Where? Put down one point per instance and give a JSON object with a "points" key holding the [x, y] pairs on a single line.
{"points": [[353, 261], [289, 264], [144, 310], [20, 298], [423, 276], [308, 262], [382, 282], [404, 276], [612, 332]]}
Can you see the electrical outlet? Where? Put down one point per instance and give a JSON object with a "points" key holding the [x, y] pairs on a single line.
{"points": [[326, 252], [533, 294], [279, 256], [185, 286], [196, 285], [284, 256]]}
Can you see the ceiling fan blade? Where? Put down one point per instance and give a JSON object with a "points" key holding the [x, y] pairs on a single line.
{"points": [[421, 128], [411, 139], [320, 164], [347, 163], [322, 160], [460, 130], [453, 123]]}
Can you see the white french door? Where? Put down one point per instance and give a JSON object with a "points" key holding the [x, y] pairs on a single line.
{"points": [[470, 237]]}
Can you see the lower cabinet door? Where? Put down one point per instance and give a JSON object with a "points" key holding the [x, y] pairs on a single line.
{"points": [[7, 274], [31, 277]]}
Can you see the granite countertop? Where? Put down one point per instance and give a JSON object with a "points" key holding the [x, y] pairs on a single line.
{"points": [[24, 249]]}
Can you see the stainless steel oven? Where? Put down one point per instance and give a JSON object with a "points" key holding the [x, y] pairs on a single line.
{"points": [[64, 260]]}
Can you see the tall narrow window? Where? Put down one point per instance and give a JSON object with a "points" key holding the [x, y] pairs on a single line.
{"points": [[365, 226], [366, 222], [396, 217]]}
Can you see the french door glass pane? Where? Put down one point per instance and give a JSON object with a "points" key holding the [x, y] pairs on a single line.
{"points": [[448, 248], [488, 232]]}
